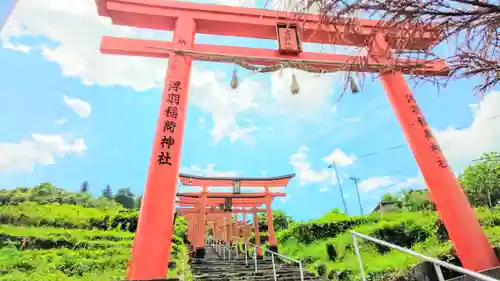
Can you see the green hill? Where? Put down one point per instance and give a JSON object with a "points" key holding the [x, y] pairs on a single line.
{"points": [[57, 241], [47, 233], [326, 246]]}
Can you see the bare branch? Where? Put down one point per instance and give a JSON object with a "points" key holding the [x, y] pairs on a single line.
{"points": [[470, 29]]}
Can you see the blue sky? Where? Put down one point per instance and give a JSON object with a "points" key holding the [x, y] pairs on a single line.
{"points": [[70, 114]]}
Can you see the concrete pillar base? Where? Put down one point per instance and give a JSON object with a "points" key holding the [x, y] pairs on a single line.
{"points": [[273, 248], [199, 253]]}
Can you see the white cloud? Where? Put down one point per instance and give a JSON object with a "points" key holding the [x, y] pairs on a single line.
{"points": [[373, 183], [75, 31], [313, 99], [209, 171], [212, 95], [390, 184], [416, 182], [201, 122], [61, 121], [80, 107], [285, 199], [40, 150], [304, 171], [340, 158], [460, 146]]}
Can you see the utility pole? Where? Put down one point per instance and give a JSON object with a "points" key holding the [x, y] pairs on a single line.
{"points": [[356, 180], [340, 186]]}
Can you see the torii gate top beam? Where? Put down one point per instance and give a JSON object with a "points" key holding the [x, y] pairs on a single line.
{"points": [[279, 181], [231, 195], [237, 202], [257, 23]]}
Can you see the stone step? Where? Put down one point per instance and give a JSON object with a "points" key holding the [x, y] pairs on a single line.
{"points": [[236, 266], [248, 274], [241, 269], [240, 261], [267, 277], [229, 268], [214, 268], [246, 269]]}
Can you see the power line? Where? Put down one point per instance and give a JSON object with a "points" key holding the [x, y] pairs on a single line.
{"points": [[495, 158], [382, 151], [403, 145]]}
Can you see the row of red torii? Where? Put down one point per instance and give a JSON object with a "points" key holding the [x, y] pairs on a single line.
{"points": [[382, 42], [218, 211]]}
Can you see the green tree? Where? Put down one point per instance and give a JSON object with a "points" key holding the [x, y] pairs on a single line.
{"points": [[138, 202], [481, 180], [103, 203], [108, 192], [85, 187], [417, 200], [17, 196], [44, 193], [388, 197], [125, 197], [281, 220]]}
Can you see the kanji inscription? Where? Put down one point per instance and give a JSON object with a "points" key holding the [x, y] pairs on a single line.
{"points": [[170, 114], [420, 122], [288, 39]]}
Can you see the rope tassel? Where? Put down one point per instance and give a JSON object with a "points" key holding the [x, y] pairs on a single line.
{"points": [[234, 80], [295, 85], [352, 84]]}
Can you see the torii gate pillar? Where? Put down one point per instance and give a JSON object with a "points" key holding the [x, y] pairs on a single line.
{"points": [[273, 245], [451, 202], [199, 251], [257, 234], [151, 249]]}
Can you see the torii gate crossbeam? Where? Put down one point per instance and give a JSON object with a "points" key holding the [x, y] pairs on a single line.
{"points": [[186, 19]]}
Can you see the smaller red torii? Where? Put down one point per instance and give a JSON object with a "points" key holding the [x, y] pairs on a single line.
{"points": [[212, 207]]}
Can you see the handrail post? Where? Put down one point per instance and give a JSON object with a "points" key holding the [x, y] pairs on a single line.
{"points": [[229, 254], [358, 255], [246, 255], [274, 267], [237, 251], [255, 258], [301, 271], [439, 273]]}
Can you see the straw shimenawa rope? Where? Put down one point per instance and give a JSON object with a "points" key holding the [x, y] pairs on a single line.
{"points": [[300, 64], [242, 61]]}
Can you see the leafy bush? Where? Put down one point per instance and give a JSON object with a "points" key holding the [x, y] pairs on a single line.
{"points": [[309, 232], [48, 234], [326, 247]]}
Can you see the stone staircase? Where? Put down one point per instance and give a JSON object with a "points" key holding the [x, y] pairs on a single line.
{"points": [[213, 268]]}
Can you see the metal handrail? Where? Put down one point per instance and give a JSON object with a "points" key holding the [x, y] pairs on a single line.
{"points": [[272, 258], [435, 262], [220, 248]]}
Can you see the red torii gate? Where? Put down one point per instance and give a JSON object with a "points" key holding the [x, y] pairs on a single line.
{"points": [[187, 19], [204, 199], [220, 232]]}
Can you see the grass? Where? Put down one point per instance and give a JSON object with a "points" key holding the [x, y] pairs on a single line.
{"points": [[420, 230], [76, 253]]}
